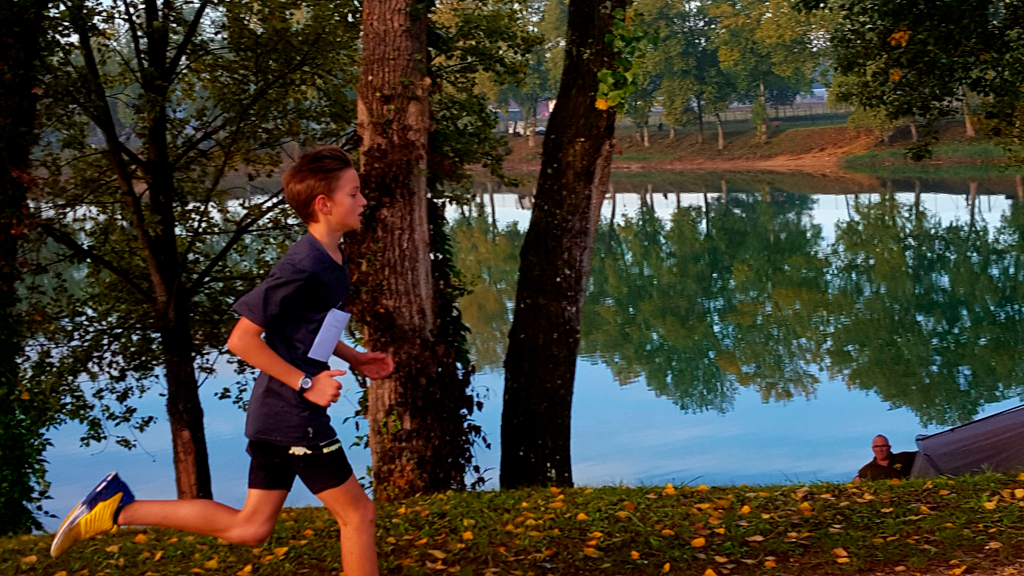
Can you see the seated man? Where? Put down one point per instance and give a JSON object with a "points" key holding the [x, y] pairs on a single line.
{"points": [[886, 465]]}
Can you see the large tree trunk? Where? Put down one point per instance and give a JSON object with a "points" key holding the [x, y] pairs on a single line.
{"points": [[21, 32], [184, 408], [416, 425], [540, 367]]}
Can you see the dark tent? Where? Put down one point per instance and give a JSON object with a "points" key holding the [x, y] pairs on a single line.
{"points": [[993, 444]]}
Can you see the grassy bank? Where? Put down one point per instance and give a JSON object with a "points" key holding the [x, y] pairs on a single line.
{"points": [[966, 525]]}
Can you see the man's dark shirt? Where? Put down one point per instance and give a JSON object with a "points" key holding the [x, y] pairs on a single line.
{"points": [[290, 306], [899, 466]]}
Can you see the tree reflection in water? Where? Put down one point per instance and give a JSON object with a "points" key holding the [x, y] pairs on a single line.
{"points": [[743, 291]]}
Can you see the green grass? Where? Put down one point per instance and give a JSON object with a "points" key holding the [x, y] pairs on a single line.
{"points": [[940, 152], [936, 526], [927, 170]]}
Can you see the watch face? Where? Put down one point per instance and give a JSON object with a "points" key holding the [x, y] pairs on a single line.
{"points": [[305, 383]]}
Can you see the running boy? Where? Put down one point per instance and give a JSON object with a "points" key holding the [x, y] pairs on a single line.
{"points": [[290, 325]]}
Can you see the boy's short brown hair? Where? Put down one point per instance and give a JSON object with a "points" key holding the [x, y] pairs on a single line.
{"points": [[314, 174]]}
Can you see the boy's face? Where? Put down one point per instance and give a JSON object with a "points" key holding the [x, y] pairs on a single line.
{"points": [[343, 210]]}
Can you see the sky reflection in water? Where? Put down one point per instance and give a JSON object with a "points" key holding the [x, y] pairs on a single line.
{"points": [[772, 349]]}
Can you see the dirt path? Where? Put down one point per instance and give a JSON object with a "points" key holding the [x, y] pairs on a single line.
{"points": [[821, 161]]}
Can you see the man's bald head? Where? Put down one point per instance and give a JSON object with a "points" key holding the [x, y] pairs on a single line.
{"points": [[880, 446]]}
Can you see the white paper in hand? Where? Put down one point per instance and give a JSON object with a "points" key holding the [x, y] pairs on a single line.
{"points": [[329, 335]]}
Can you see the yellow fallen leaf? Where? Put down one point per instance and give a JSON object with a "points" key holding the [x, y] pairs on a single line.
{"points": [[698, 542], [989, 505], [307, 533], [467, 535], [745, 509], [878, 540], [842, 560], [900, 569], [622, 514], [61, 573], [720, 530], [1018, 493], [710, 572], [196, 571], [925, 510], [840, 553], [555, 491], [755, 538], [159, 554], [556, 504], [805, 507], [267, 558], [280, 551], [590, 551], [423, 541], [703, 487], [713, 520], [943, 492], [765, 516], [886, 510], [596, 534], [113, 548], [211, 564], [666, 567], [958, 570], [437, 554], [769, 564], [31, 559], [634, 555], [667, 532], [994, 545], [721, 559], [140, 538], [582, 516], [244, 571]]}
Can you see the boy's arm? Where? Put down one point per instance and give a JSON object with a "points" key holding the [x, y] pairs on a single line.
{"points": [[247, 343], [374, 365]]}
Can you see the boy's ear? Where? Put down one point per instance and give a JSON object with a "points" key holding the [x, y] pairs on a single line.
{"points": [[321, 205]]}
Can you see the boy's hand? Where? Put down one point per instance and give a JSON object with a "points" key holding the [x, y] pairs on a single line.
{"points": [[325, 389], [374, 365]]}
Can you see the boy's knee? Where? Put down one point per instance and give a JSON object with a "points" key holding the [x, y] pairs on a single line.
{"points": [[361, 513], [251, 534]]}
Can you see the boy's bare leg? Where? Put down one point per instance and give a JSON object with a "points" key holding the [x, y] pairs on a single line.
{"points": [[357, 518], [251, 525]]}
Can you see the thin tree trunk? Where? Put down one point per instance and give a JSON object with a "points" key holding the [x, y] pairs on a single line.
{"points": [[671, 132], [913, 131], [647, 136], [762, 128], [540, 366], [1020, 188], [968, 125], [700, 121], [721, 131], [417, 436], [725, 190], [21, 428], [531, 128]]}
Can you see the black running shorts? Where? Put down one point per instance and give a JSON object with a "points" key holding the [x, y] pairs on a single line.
{"points": [[320, 467]]}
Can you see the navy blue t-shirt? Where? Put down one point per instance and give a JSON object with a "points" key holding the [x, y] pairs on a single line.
{"points": [[290, 306]]}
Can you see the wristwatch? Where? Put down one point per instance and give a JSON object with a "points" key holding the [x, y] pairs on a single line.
{"points": [[305, 384]]}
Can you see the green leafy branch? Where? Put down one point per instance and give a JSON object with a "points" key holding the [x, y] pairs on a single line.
{"points": [[629, 40]]}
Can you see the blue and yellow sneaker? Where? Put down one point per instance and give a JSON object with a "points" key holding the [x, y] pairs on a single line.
{"points": [[94, 515]]}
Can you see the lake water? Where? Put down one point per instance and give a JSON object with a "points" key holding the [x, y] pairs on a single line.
{"points": [[738, 329]]}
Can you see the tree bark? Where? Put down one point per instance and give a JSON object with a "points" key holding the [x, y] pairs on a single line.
{"points": [[540, 365], [968, 125], [417, 427], [1020, 187], [913, 131], [21, 47], [700, 121], [671, 132], [762, 127], [721, 131], [647, 136]]}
